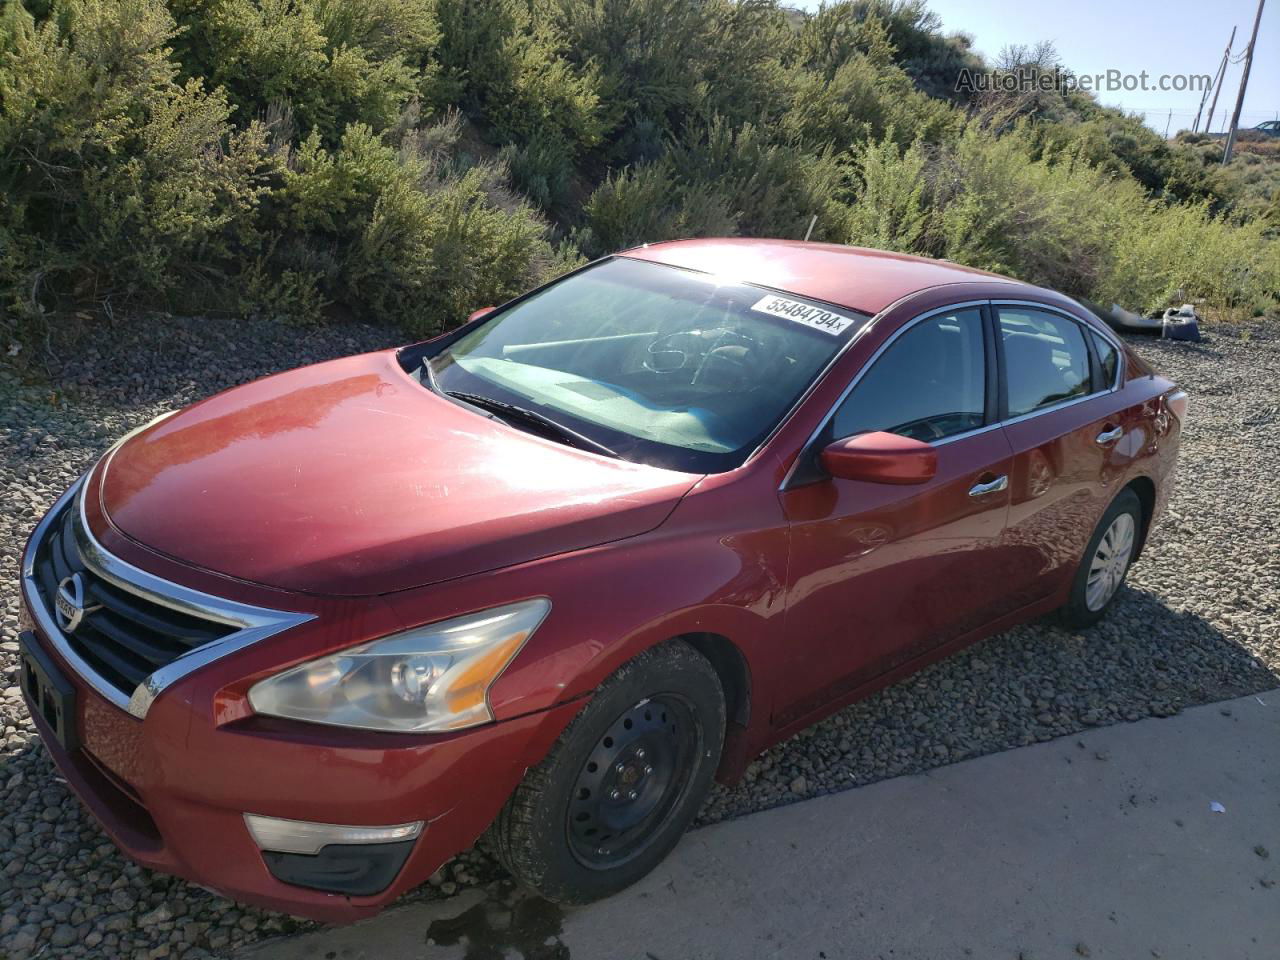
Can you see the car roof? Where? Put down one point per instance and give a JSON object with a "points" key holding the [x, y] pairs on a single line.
{"points": [[856, 277]]}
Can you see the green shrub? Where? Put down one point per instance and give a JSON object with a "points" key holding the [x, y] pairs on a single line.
{"points": [[1053, 221], [1182, 252], [889, 211], [838, 33], [404, 234], [664, 65], [508, 71], [641, 205], [308, 158], [330, 62], [1058, 221], [771, 188], [904, 32], [542, 170], [861, 102], [119, 181]]}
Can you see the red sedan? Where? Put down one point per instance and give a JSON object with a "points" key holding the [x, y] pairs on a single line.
{"points": [[549, 574]]}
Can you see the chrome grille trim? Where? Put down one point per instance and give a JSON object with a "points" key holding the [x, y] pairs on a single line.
{"points": [[253, 623]]}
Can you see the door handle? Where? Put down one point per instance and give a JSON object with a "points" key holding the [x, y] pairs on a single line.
{"points": [[1110, 436], [991, 486]]}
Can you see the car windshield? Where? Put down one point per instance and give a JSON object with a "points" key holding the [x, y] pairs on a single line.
{"points": [[653, 363]]}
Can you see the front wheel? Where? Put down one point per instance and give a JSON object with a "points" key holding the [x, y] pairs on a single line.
{"points": [[1106, 561], [621, 785]]}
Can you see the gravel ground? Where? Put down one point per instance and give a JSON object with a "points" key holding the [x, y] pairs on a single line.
{"points": [[1199, 622]]}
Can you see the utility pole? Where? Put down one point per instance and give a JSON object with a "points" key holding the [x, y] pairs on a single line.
{"points": [[1244, 83], [1215, 86], [1167, 124]]}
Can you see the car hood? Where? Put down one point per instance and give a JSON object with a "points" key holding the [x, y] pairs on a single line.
{"points": [[351, 478]]}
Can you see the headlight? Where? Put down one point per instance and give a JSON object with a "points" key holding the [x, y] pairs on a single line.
{"points": [[435, 677]]}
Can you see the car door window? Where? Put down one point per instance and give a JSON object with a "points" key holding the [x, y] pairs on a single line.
{"points": [[1108, 360], [929, 384], [1046, 359]]}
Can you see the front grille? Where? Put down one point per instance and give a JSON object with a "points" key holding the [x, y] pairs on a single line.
{"points": [[122, 635]]}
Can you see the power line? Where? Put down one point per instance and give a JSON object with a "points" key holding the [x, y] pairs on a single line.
{"points": [[1244, 84], [1217, 84]]}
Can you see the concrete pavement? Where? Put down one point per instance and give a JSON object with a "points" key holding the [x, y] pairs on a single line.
{"points": [[1154, 839]]}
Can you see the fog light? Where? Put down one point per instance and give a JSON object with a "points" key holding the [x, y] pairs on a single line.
{"points": [[355, 861], [302, 836]]}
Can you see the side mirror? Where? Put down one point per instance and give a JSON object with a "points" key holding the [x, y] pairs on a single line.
{"points": [[477, 314], [881, 458]]}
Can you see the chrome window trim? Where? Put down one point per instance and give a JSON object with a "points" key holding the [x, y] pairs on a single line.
{"points": [[1060, 405], [943, 441], [255, 623], [986, 428]]}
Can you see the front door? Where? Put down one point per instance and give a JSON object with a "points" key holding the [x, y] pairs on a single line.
{"points": [[881, 574]]}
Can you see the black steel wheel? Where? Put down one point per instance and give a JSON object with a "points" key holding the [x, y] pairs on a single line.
{"points": [[632, 780], [620, 786]]}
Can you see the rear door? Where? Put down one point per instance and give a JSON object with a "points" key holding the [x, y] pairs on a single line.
{"points": [[1069, 437], [880, 574]]}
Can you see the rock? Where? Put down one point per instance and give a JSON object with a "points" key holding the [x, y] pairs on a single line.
{"points": [[160, 914], [63, 935], [24, 938], [1202, 624]]}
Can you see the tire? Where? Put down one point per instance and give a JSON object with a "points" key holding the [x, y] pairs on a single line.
{"points": [[1106, 561], [618, 789]]}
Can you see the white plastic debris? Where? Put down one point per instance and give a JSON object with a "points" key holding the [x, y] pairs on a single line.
{"points": [[1216, 807]]}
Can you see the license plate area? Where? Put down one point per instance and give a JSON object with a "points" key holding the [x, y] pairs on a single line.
{"points": [[48, 691]]}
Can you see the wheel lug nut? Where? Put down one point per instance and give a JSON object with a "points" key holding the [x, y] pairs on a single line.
{"points": [[615, 794], [640, 752], [648, 769], [619, 767], [632, 795]]}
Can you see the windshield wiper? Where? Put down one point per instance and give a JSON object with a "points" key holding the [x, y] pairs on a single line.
{"points": [[429, 377], [514, 412]]}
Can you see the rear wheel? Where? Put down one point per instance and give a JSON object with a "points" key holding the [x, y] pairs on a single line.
{"points": [[622, 783], [1106, 561]]}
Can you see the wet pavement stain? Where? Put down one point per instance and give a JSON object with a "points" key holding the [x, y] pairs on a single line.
{"points": [[527, 924]]}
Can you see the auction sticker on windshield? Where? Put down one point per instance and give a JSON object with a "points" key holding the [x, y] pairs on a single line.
{"points": [[811, 316]]}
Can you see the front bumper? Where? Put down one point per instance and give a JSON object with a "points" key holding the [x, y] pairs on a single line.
{"points": [[174, 798], [171, 771]]}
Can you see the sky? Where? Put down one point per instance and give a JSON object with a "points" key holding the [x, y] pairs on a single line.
{"points": [[1158, 36]]}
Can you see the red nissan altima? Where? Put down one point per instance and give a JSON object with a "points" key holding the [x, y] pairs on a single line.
{"points": [[549, 574]]}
